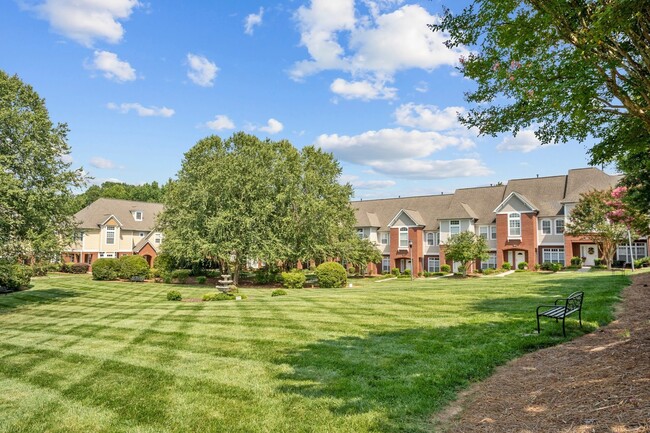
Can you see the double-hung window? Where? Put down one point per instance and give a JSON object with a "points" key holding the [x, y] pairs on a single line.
{"points": [[157, 238], [514, 225], [110, 235], [361, 234], [559, 226], [433, 264], [384, 238], [484, 232], [546, 227], [385, 265], [638, 252], [454, 227], [431, 238], [137, 215], [490, 263], [403, 237]]}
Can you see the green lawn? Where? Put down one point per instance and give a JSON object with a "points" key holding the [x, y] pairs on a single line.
{"points": [[83, 356]]}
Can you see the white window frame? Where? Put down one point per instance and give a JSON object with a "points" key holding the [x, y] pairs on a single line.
{"points": [[103, 255], [639, 251], [403, 241], [454, 227], [493, 233], [514, 231], [490, 263], [433, 264], [557, 226], [361, 233], [385, 264], [384, 238], [138, 215], [547, 230], [110, 230], [553, 255], [482, 229], [157, 238], [431, 238]]}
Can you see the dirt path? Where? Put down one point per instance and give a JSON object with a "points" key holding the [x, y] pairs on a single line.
{"points": [[608, 389]]}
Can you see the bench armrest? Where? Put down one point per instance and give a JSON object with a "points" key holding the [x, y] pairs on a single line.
{"points": [[545, 306], [561, 299]]}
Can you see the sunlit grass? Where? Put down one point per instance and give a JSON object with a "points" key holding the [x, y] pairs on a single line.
{"points": [[78, 355]]}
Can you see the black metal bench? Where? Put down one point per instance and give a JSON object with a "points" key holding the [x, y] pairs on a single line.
{"points": [[571, 304]]}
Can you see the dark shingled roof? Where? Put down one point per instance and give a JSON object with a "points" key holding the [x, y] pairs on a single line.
{"points": [[545, 193], [582, 180], [97, 212], [477, 203]]}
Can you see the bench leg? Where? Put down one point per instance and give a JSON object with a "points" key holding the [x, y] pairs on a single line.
{"points": [[580, 316], [538, 324], [563, 330]]}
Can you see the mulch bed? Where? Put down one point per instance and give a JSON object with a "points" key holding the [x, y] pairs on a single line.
{"points": [[599, 382]]}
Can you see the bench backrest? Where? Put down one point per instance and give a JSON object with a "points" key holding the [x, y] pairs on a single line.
{"points": [[574, 301]]}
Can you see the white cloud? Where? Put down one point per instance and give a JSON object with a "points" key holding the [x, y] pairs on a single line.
{"points": [[422, 87], [431, 169], [112, 67], [272, 127], [367, 184], [220, 122], [102, 163], [428, 117], [373, 47], [202, 71], [85, 21], [389, 145], [253, 20], [524, 142], [141, 110], [364, 90]]}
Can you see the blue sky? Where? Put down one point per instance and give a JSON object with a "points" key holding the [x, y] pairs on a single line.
{"points": [[139, 83]]}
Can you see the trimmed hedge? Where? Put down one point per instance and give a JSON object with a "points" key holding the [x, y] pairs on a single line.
{"points": [[106, 269], [133, 266], [14, 276], [294, 279], [181, 275], [331, 274], [174, 295], [278, 292], [445, 268]]}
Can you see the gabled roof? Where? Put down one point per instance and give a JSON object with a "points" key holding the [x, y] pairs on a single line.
{"points": [[428, 207], [413, 215], [475, 203], [544, 193], [98, 212], [531, 207], [582, 180], [144, 241], [110, 217]]}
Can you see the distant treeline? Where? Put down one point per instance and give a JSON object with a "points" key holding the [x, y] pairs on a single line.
{"points": [[149, 192]]}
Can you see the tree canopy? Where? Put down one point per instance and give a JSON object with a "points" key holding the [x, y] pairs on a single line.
{"points": [[148, 192], [466, 247], [570, 70], [35, 179], [245, 198]]}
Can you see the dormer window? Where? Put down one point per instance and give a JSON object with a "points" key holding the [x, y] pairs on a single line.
{"points": [[137, 215]]}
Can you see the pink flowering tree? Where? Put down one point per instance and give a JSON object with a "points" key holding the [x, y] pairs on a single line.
{"points": [[601, 218]]}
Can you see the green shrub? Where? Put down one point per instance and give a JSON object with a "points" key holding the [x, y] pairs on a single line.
{"points": [[598, 262], [155, 273], [395, 271], [39, 270], [66, 267], [201, 279], [522, 265], [407, 272], [133, 266], [212, 296], [167, 278], [445, 268], [181, 275], [294, 279], [106, 269], [268, 275], [537, 266], [14, 276], [174, 295], [278, 292], [164, 263], [642, 262], [549, 266], [506, 265], [576, 261], [79, 268], [331, 274], [426, 274], [489, 271]]}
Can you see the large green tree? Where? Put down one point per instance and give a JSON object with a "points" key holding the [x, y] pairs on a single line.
{"points": [[35, 179], [245, 198], [465, 248], [571, 70]]}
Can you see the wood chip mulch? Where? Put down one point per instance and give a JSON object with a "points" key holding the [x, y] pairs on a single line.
{"points": [[599, 382]]}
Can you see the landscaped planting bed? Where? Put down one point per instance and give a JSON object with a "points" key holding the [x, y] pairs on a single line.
{"points": [[78, 355]]}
